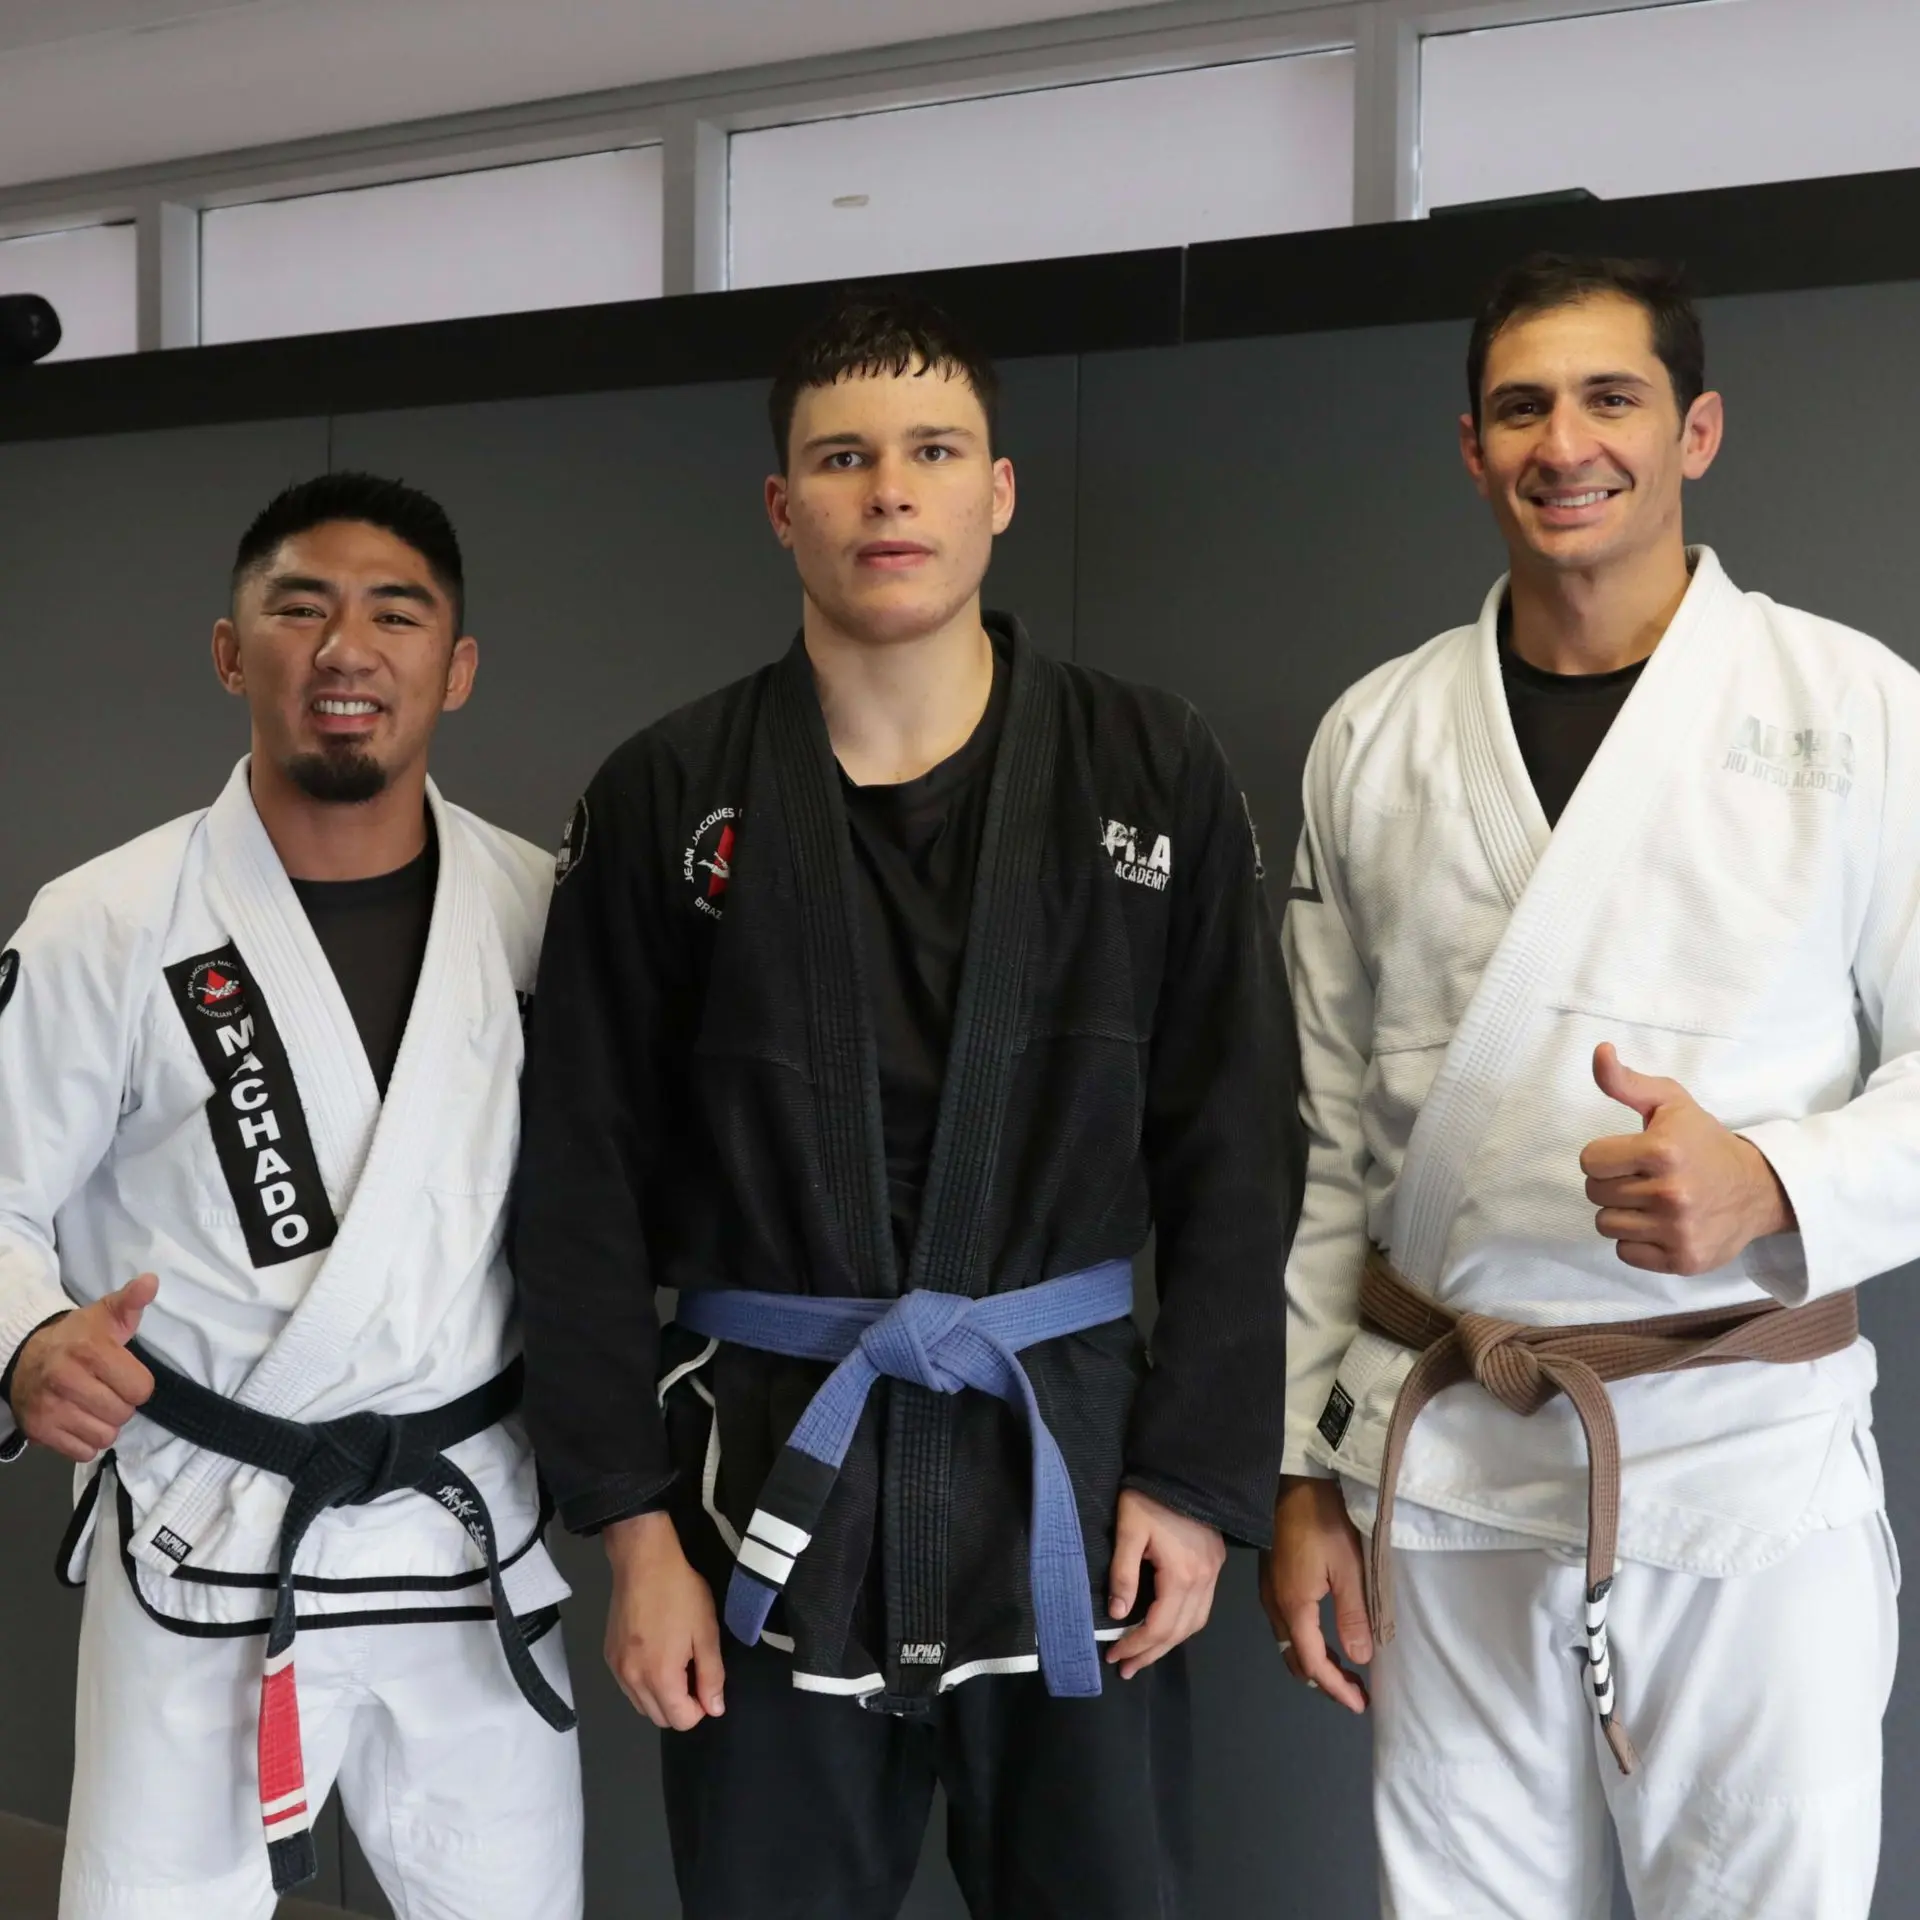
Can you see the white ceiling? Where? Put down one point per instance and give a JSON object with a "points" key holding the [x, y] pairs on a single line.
{"points": [[87, 85]]}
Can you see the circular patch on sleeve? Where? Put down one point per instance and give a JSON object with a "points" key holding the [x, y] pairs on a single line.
{"points": [[573, 843], [9, 976]]}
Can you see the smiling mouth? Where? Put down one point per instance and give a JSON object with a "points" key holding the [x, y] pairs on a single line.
{"points": [[339, 708], [1572, 502]]}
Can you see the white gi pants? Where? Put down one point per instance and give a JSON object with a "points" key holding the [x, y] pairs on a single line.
{"points": [[1755, 1702], [465, 1802]]}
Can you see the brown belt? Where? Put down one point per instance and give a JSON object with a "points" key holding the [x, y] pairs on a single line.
{"points": [[1523, 1368]]}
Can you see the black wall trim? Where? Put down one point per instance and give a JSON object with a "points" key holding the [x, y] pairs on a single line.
{"points": [[1846, 231]]}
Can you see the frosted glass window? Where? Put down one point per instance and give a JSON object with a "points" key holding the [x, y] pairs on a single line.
{"points": [[1261, 147], [557, 233], [1669, 98], [92, 277]]}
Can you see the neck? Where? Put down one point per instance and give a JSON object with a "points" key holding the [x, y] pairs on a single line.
{"points": [[896, 708], [325, 840], [1597, 621]]}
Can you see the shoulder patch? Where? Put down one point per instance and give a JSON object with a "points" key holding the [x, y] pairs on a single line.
{"points": [[9, 976], [573, 842]]}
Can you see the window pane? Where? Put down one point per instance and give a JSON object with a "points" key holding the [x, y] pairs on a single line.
{"points": [[1262, 147], [559, 233], [90, 275], [1669, 98]]}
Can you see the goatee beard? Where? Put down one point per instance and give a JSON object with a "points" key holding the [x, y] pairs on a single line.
{"points": [[347, 778]]}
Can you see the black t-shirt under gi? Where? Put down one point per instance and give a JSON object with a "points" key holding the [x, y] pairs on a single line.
{"points": [[374, 934], [1559, 719], [916, 844]]}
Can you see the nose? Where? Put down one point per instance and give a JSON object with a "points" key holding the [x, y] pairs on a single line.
{"points": [[347, 646], [1567, 439], [890, 492]]}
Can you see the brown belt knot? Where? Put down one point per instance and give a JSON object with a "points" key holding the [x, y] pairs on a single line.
{"points": [[1524, 1367]]}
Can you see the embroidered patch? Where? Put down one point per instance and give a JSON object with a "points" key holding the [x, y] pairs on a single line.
{"points": [[171, 1544], [1336, 1416], [1145, 859], [1798, 759], [922, 1653], [9, 976], [259, 1126], [707, 863], [573, 842], [1253, 834]]}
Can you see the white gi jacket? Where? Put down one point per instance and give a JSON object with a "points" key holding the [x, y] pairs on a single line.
{"points": [[1731, 898], [183, 1091]]}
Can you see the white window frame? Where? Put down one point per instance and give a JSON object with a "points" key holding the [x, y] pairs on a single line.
{"points": [[693, 118]]}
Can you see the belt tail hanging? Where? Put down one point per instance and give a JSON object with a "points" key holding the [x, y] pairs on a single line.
{"points": [[285, 1813], [1600, 1678]]}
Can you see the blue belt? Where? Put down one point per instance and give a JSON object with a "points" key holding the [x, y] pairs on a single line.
{"points": [[942, 1341]]}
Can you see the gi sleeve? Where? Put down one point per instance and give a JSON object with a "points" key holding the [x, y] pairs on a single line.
{"points": [[66, 1019], [591, 1115], [1333, 1001], [1224, 1165], [1853, 1173]]}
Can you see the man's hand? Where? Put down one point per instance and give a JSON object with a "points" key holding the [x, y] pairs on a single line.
{"points": [[75, 1385], [1685, 1195], [1316, 1552], [661, 1624], [1187, 1556]]}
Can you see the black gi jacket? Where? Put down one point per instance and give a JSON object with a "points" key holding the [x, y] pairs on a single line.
{"points": [[702, 1109]]}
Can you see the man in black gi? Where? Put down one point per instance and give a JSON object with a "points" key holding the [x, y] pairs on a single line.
{"points": [[891, 998]]}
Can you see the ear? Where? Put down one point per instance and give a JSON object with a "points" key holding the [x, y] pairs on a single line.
{"points": [[461, 669], [1003, 495], [1472, 455], [226, 656], [778, 513], [1701, 434]]}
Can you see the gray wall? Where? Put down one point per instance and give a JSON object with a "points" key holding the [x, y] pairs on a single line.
{"points": [[1255, 524]]}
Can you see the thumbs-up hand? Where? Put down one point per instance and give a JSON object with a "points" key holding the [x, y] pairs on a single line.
{"points": [[76, 1385], [1685, 1194]]}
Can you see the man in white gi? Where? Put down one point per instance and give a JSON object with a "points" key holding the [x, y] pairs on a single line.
{"points": [[1654, 1055], [258, 1120]]}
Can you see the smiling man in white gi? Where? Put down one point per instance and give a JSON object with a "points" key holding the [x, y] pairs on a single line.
{"points": [[258, 1119], [1603, 940]]}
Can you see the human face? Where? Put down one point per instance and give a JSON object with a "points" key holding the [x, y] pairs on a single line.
{"points": [[891, 501], [342, 644], [1581, 450]]}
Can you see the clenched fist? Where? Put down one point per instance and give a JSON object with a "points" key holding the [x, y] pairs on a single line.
{"points": [[1685, 1194], [75, 1384]]}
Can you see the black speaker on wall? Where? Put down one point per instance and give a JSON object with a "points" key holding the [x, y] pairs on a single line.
{"points": [[29, 329]]}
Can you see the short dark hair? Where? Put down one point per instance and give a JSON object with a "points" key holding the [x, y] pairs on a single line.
{"points": [[395, 508], [875, 331], [1544, 281]]}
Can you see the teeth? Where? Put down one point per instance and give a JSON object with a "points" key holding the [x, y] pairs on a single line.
{"points": [[347, 707], [1574, 499]]}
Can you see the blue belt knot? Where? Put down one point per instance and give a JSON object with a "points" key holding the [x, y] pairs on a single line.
{"points": [[945, 1342]]}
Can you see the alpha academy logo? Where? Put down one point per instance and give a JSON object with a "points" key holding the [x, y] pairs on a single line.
{"points": [[9, 976], [573, 842], [1799, 759], [259, 1127], [707, 863], [1135, 858]]}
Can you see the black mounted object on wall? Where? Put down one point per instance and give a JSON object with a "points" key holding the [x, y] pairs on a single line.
{"points": [[29, 329]]}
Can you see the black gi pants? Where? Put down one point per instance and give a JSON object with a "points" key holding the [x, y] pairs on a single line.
{"points": [[805, 1806]]}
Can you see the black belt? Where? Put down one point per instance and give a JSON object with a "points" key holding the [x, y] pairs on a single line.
{"points": [[347, 1462]]}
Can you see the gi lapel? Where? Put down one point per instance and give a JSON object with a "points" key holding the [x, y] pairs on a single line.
{"points": [[370, 1153], [1553, 882], [804, 786], [950, 1251]]}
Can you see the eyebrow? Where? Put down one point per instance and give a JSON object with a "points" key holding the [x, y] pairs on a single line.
{"points": [[862, 439], [1507, 389], [281, 583]]}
